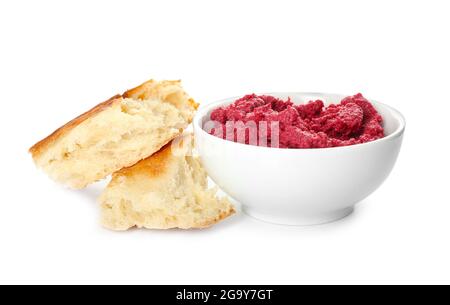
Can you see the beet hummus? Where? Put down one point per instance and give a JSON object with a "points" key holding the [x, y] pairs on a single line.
{"points": [[353, 121]]}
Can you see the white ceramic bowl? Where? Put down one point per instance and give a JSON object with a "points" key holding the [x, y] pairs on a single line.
{"points": [[299, 186]]}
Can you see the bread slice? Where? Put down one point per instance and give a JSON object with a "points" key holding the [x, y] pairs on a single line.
{"points": [[167, 190], [115, 134]]}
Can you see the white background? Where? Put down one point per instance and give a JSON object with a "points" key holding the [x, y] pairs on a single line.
{"points": [[59, 58]]}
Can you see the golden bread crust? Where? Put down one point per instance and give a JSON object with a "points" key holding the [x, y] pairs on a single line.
{"points": [[140, 92], [142, 195], [219, 218], [198, 226], [151, 87], [153, 166], [37, 148]]}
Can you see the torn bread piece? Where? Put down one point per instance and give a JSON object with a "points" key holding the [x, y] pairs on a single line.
{"points": [[115, 134], [167, 190]]}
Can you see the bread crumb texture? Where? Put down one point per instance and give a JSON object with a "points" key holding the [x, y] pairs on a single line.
{"points": [[115, 134], [164, 191]]}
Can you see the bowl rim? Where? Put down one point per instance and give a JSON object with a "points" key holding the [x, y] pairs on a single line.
{"points": [[205, 108]]}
